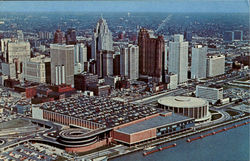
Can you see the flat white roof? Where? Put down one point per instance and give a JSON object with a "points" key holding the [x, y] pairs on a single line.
{"points": [[182, 101]]}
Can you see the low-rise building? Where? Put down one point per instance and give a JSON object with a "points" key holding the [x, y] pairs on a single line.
{"points": [[211, 93]]}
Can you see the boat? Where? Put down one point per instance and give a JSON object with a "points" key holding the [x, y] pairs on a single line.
{"points": [[149, 148]]}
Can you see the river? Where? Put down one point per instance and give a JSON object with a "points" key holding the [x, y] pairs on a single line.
{"points": [[231, 145]]}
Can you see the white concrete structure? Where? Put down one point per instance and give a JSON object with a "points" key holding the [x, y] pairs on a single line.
{"points": [[215, 65], [188, 106], [80, 53], [19, 50], [129, 62], [101, 39], [37, 113], [210, 93], [172, 81], [199, 62], [80, 57], [34, 69], [178, 58], [62, 64]]}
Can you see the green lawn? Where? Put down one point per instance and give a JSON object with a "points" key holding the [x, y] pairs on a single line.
{"points": [[232, 113], [215, 117]]}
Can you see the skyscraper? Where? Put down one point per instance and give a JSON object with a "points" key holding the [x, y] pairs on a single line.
{"points": [[80, 57], [102, 38], [71, 37], [62, 64], [129, 61], [80, 53], [151, 51], [58, 37], [178, 58], [104, 63], [199, 62]]}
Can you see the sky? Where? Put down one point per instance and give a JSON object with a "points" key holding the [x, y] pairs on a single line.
{"points": [[127, 6]]}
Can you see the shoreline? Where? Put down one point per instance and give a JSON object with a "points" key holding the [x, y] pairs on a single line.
{"points": [[181, 136]]}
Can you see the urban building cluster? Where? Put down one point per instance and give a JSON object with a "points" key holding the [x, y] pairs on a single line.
{"points": [[100, 64], [102, 84]]}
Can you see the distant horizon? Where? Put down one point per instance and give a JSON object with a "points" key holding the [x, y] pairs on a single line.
{"points": [[152, 6]]}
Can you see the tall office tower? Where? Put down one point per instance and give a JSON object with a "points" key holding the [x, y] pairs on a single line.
{"points": [[4, 44], [80, 53], [80, 57], [102, 38], [215, 65], [199, 62], [104, 63], [178, 58], [71, 37], [238, 35], [62, 64], [17, 50], [228, 36], [166, 57], [35, 69], [151, 51], [58, 37], [116, 64], [129, 61], [17, 53], [20, 35]]}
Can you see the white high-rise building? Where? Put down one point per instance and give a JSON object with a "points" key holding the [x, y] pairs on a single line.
{"points": [[62, 64], [101, 39], [80, 53], [80, 57], [178, 58], [199, 62], [215, 65], [129, 61]]}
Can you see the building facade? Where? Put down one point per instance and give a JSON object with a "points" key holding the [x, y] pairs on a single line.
{"points": [[71, 37], [199, 62], [58, 37], [62, 64], [34, 70], [101, 39], [210, 93], [151, 53], [104, 63], [178, 58], [215, 65], [129, 62], [192, 107]]}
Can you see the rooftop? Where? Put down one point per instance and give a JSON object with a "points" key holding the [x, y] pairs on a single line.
{"points": [[99, 110], [182, 101], [153, 123]]}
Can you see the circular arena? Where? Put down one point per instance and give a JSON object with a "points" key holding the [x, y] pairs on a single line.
{"points": [[188, 106]]}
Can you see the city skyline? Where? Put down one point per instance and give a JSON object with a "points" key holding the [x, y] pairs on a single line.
{"points": [[217, 6]]}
